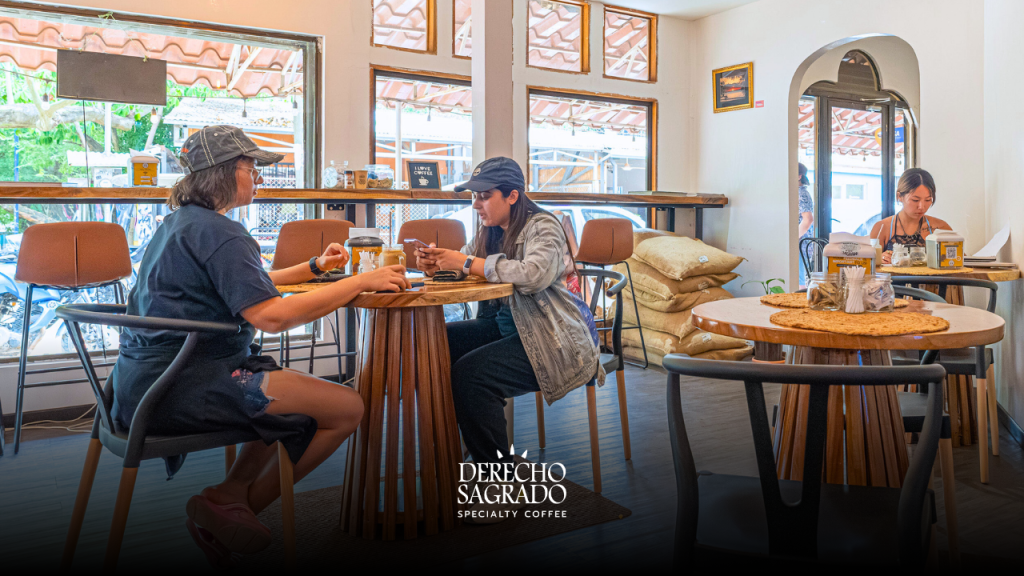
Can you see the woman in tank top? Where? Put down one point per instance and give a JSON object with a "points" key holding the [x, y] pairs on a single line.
{"points": [[910, 226]]}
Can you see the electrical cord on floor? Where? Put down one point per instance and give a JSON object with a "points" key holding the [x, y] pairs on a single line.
{"points": [[73, 425]]}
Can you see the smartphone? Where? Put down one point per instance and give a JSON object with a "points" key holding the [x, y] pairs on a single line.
{"points": [[415, 241]]}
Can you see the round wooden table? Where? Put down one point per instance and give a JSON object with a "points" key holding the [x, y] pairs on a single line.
{"points": [[403, 376], [865, 429]]}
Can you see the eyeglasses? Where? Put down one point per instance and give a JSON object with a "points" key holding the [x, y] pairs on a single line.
{"points": [[256, 173]]}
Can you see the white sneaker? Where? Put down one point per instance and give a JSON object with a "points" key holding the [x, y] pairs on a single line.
{"points": [[503, 509]]}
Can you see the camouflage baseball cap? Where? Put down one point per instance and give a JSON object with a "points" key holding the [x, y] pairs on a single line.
{"points": [[216, 144]]}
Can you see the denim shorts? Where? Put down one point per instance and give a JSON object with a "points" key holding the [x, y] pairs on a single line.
{"points": [[254, 391]]}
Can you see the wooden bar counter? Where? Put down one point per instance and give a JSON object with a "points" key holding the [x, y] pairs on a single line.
{"points": [[369, 197]]}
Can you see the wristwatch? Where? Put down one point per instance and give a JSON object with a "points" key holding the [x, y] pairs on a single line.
{"points": [[314, 268], [467, 265]]}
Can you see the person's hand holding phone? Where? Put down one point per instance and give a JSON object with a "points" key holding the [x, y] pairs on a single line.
{"points": [[424, 261], [442, 258]]}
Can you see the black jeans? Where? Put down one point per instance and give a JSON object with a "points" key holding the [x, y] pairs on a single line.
{"points": [[486, 369]]}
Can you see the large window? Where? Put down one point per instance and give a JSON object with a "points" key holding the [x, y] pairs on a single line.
{"points": [[590, 145], [558, 35], [405, 25], [630, 44], [423, 118], [214, 76]]}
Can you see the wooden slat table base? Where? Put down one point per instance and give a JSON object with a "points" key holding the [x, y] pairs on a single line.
{"points": [[872, 452], [405, 382]]}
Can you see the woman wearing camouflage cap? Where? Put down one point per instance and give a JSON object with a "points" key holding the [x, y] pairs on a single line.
{"points": [[201, 265]]}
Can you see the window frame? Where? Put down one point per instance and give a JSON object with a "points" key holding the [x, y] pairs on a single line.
{"points": [[312, 59], [584, 38], [652, 122], [652, 52], [455, 30], [431, 31]]}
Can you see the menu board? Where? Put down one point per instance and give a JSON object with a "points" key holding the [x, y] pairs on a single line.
{"points": [[424, 175]]}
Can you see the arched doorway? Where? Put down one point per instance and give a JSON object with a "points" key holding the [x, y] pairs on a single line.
{"points": [[854, 159]]}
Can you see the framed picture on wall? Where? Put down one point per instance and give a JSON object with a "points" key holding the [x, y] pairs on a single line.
{"points": [[423, 175], [733, 87]]}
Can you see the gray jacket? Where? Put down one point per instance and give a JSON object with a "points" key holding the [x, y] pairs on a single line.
{"points": [[556, 339]]}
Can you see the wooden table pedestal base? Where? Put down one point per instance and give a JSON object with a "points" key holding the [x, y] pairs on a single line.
{"points": [[405, 381], [865, 443]]}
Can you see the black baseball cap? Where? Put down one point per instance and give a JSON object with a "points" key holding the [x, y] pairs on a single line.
{"points": [[495, 172], [216, 144]]}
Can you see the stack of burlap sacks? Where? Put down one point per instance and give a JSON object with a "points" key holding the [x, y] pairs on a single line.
{"points": [[671, 275]]}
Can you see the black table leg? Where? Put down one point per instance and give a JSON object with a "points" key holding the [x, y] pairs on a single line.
{"points": [[698, 223]]}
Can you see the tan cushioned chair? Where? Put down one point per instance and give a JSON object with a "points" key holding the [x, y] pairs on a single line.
{"points": [[73, 255], [67, 256], [606, 241], [304, 239], [445, 233]]}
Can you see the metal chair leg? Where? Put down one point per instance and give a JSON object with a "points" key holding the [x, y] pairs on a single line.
{"points": [[117, 525], [92, 461], [19, 408], [636, 310], [312, 350], [337, 344]]}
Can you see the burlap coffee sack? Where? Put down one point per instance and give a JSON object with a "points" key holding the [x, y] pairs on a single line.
{"points": [[679, 257], [648, 279], [675, 323], [679, 302], [697, 342]]}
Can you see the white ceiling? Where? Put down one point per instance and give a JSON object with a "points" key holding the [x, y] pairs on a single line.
{"points": [[686, 9]]}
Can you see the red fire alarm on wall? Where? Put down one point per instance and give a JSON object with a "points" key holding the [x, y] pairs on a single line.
{"points": [[759, 104]]}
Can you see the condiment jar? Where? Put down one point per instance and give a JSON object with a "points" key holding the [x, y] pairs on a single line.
{"points": [[363, 242], [879, 295], [918, 257], [900, 256], [823, 291], [392, 255]]}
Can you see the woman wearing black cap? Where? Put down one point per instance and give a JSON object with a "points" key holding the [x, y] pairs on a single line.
{"points": [[540, 338], [200, 265]]}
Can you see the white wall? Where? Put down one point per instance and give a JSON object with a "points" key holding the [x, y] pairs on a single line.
{"points": [[748, 154], [345, 27], [1004, 180]]}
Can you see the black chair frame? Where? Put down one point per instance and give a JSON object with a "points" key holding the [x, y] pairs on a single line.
{"points": [[793, 526], [636, 310], [137, 444], [818, 249]]}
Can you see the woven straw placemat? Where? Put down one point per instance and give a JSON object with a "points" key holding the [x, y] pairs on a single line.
{"points": [[921, 270], [860, 324], [799, 300]]}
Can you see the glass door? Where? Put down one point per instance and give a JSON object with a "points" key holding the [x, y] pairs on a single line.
{"points": [[858, 166]]}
